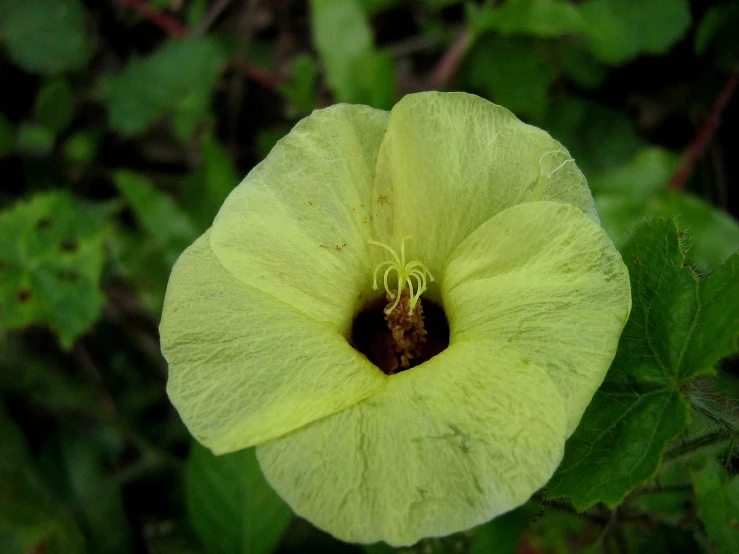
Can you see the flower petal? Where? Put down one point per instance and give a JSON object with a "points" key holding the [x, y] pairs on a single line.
{"points": [[245, 368], [297, 227], [466, 436], [450, 161], [544, 278]]}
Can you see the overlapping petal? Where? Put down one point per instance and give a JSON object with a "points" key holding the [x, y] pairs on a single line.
{"points": [[297, 227], [467, 436], [545, 279], [245, 368], [450, 161]]}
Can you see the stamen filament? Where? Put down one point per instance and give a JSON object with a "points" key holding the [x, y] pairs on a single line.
{"points": [[374, 276], [386, 247]]}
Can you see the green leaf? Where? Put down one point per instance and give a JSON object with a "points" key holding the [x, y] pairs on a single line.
{"points": [[29, 522], [300, 89], [177, 80], [620, 30], [54, 105], [647, 173], [717, 498], [379, 79], [373, 7], [717, 33], [713, 235], [542, 18], [675, 332], [355, 71], [51, 259], [600, 139], [7, 137], [231, 506], [670, 506], [579, 64], [714, 328], [81, 147], [37, 378], [268, 137], [97, 496], [204, 192], [503, 534], [512, 72], [35, 140], [378, 548], [157, 213], [145, 265], [45, 36], [629, 194]]}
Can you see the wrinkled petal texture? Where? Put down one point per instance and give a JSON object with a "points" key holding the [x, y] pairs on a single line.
{"points": [[543, 278], [467, 436], [245, 368], [451, 161], [297, 227]]}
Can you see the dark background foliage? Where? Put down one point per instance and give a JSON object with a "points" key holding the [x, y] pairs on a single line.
{"points": [[125, 123]]}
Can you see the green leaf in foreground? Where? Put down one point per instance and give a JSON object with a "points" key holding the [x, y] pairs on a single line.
{"points": [[177, 80], [231, 506], [45, 36], [678, 329], [717, 497], [51, 259]]}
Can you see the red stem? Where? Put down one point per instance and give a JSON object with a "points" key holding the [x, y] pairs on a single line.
{"points": [[449, 63], [164, 21], [698, 147], [262, 76]]}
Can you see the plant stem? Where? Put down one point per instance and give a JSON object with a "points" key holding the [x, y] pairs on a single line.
{"points": [[697, 148], [211, 17], [166, 22], [449, 63]]}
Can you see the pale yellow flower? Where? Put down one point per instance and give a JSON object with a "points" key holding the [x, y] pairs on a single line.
{"points": [[259, 315]]}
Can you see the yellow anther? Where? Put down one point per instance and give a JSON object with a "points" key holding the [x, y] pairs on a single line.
{"points": [[407, 272]]}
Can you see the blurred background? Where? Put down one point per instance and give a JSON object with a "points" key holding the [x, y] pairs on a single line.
{"points": [[124, 124]]}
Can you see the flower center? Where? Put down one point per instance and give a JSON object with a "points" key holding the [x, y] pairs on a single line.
{"points": [[399, 335]]}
